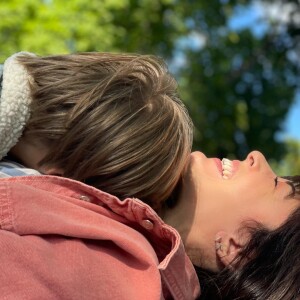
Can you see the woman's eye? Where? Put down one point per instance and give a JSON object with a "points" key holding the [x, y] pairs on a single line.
{"points": [[293, 192], [276, 180]]}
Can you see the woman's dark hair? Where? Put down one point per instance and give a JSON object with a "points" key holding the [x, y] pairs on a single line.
{"points": [[268, 268]]}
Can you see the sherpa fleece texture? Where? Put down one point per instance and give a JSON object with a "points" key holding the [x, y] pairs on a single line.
{"points": [[14, 102]]}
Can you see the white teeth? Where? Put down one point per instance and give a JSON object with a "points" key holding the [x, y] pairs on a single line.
{"points": [[226, 161], [227, 172], [227, 168]]}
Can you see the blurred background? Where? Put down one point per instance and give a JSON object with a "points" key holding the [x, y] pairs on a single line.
{"points": [[237, 62]]}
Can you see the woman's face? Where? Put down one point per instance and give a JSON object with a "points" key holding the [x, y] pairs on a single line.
{"points": [[227, 195]]}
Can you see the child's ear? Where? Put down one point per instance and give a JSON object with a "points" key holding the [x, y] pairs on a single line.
{"points": [[52, 171], [228, 246]]}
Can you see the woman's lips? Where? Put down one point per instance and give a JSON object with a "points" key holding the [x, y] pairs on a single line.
{"points": [[234, 167], [219, 165]]}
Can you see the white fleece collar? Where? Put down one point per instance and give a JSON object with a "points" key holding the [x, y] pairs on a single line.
{"points": [[14, 102]]}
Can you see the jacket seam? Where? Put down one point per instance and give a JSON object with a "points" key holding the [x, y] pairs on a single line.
{"points": [[6, 214]]}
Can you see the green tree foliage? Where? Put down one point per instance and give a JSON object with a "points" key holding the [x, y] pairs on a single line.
{"points": [[290, 163], [55, 26], [237, 85]]}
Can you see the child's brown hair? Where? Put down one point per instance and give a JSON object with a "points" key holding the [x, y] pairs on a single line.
{"points": [[114, 121]]}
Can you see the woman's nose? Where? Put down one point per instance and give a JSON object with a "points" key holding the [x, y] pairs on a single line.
{"points": [[257, 161]]}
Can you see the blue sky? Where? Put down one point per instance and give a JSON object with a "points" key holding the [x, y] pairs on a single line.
{"points": [[250, 17], [292, 123]]}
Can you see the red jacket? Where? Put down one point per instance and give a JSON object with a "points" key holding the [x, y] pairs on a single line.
{"points": [[62, 239]]}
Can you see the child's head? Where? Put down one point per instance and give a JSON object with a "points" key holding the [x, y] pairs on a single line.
{"points": [[114, 121]]}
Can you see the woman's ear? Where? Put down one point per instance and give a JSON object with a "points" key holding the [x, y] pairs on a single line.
{"points": [[228, 246]]}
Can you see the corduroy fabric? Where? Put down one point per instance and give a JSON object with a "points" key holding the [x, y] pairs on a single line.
{"points": [[62, 239]]}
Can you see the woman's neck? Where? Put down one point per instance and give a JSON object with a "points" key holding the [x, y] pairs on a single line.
{"points": [[181, 216], [188, 219]]}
